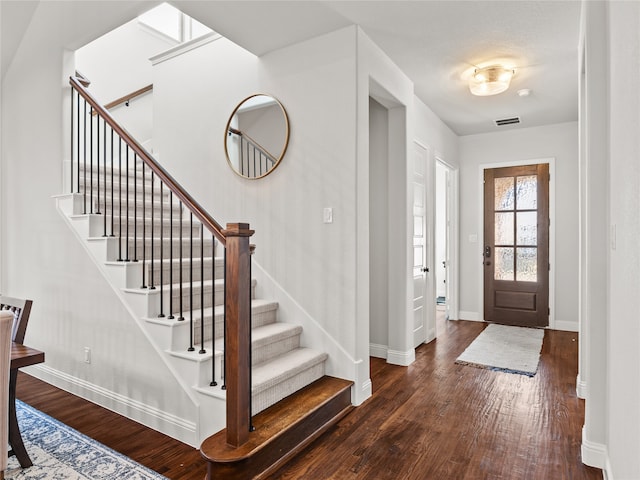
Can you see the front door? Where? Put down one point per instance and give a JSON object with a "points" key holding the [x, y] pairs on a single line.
{"points": [[516, 248]]}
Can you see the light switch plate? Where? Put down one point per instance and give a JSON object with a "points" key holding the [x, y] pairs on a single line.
{"points": [[327, 215]]}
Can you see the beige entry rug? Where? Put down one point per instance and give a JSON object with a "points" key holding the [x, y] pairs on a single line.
{"points": [[506, 349]]}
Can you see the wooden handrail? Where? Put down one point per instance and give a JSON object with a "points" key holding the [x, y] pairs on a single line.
{"points": [[126, 98], [254, 143], [201, 214], [84, 80]]}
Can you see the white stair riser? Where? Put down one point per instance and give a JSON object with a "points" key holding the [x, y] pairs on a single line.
{"points": [[173, 271]]}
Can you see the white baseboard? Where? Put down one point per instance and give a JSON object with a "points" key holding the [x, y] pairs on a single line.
{"points": [[565, 325], [366, 390], [594, 454], [607, 474], [473, 316], [581, 388], [167, 423], [378, 351], [401, 358]]}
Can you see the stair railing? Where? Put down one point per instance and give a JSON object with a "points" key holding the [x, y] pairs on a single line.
{"points": [[255, 160], [118, 179]]}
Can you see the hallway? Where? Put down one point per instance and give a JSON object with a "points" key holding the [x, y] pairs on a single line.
{"points": [[432, 420]]}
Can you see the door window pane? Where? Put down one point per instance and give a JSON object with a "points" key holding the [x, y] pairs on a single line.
{"points": [[527, 192], [504, 193], [503, 234], [503, 263], [527, 231], [527, 265]]}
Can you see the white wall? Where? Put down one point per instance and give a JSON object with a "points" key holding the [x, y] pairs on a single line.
{"points": [[558, 141], [117, 64], [42, 260], [623, 366], [311, 262]]}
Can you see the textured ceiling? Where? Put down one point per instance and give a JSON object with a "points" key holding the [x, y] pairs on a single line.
{"points": [[435, 43]]}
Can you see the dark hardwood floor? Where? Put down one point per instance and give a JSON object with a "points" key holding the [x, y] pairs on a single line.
{"points": [[432, 420]]}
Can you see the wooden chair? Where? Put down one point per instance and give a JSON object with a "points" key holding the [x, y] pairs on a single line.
{"points": [[6, 322], [21, 309]]}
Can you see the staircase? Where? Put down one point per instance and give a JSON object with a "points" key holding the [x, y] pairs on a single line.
{"points": [[169, 272]]}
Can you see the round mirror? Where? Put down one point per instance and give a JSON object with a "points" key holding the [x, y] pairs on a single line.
{"points": [[256, 136]]}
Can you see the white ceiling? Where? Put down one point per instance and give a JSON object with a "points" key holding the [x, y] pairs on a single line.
{"points": [[435, 43]]}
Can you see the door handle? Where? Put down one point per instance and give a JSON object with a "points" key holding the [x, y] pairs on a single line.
{"points": [[425, 269], [487, 251]]}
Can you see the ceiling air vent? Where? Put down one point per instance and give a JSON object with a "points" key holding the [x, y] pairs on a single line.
{"points": [[507, 121]]}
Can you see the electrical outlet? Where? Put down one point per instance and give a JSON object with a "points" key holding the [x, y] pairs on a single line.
{"points": [[87, 355]]}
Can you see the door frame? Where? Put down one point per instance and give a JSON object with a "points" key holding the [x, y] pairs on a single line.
{"points": [[552, 230], [454, 244]]}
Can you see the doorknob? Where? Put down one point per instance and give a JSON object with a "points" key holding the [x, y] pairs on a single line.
{"points": [[425, 269]]}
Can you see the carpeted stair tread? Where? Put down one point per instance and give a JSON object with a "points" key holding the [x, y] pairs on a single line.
{"points": [[273, 332], [283, 367]]}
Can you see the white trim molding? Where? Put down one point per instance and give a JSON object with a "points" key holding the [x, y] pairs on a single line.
{"points": [[565, 325], [473, 316], [179, 428], [594, 454], [581, 387], [378, 351], [401, 358], [185, 47]]}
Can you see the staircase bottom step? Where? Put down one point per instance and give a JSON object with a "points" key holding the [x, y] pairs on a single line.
{"points": [[281, 431]]}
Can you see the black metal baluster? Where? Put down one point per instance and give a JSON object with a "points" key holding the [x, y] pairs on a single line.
{"points": [[120, 199], [251, 427], [112, 198], [144, 227], [171, 317], [151, 270], [135, 207], [71, 151], [84, 147], [98, 161], [213, 315], [161, 249], [181, 316], [127, 259], [191, 349], [90, 162], [202, 350], [104, 170], [78, 138], [224, 321]]}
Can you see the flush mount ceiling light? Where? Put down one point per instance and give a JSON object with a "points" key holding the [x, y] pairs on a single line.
{"points": [[490, 80]]}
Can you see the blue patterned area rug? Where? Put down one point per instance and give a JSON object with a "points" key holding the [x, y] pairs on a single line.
{"points": [[60, 452]]}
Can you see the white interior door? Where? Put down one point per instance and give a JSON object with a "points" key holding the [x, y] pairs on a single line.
{"points": [[420, 244]]}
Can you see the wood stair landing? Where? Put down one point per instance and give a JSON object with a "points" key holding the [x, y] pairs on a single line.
{"points": [[281, 431]]}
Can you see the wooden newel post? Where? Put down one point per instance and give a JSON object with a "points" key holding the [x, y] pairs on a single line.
{"points": [[238, 318]]}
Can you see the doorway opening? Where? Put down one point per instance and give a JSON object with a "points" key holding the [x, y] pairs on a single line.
{"points": [[378, 229], [442, 239]]}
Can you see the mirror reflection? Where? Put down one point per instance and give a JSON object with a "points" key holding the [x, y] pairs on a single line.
{"points": [[257, 135]]}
